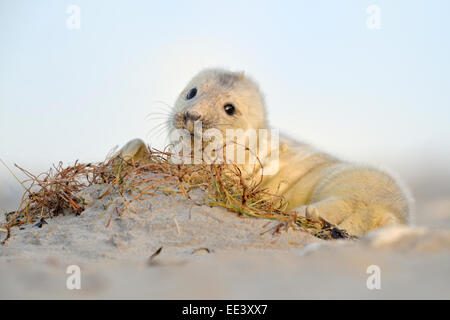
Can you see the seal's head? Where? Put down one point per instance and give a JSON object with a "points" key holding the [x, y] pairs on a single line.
{"points": [[222, 100]]}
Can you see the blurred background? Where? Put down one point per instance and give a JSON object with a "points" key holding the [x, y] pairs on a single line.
{"points": [[365, 80]]}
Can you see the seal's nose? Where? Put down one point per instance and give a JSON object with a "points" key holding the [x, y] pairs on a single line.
{"points": [[194, 116]]}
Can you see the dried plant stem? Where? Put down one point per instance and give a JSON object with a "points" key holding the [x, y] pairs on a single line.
{"points": [[223, 185]]}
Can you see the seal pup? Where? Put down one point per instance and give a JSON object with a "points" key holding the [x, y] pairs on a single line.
{"points": [[354, 197]]}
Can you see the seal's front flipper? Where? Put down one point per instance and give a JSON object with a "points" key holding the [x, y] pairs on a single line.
{"points": [[134, 150], [310, 212], [333, 210]]}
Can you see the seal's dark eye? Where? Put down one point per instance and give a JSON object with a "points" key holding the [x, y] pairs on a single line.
{"points": [[191, 93], [229, 109]]}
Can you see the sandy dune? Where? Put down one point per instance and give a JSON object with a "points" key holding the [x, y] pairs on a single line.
{"points": [[210, 253]]}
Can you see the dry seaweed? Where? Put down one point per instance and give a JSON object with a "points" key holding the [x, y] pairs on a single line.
{"points": [[151, 261], [56, 191]]}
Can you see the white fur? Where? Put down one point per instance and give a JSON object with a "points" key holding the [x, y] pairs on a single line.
{"points": [[358, 198]]}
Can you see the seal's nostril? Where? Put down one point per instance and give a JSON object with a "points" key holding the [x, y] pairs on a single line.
{"points": [[192, 116]]}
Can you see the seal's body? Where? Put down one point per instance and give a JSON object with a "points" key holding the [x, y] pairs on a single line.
{"points": [[356, 198]]}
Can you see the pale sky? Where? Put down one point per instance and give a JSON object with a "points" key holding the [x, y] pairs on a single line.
{"points": [[376, 96]]}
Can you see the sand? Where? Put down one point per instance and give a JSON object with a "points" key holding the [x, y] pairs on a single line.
{"points": [[210, 253]]}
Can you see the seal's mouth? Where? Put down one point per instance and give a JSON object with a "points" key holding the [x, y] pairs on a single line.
{"points": [[181, 123], [195, 128], [194, 132]]}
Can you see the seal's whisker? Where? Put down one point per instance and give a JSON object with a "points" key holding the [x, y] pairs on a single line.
{"points": [[163, 113], [169, 107], [157, 131], [156, 118], [162, 124], [159, 128], [151, 114]]}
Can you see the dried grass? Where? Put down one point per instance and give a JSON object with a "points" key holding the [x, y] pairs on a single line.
{"points": [[55, 192]]}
